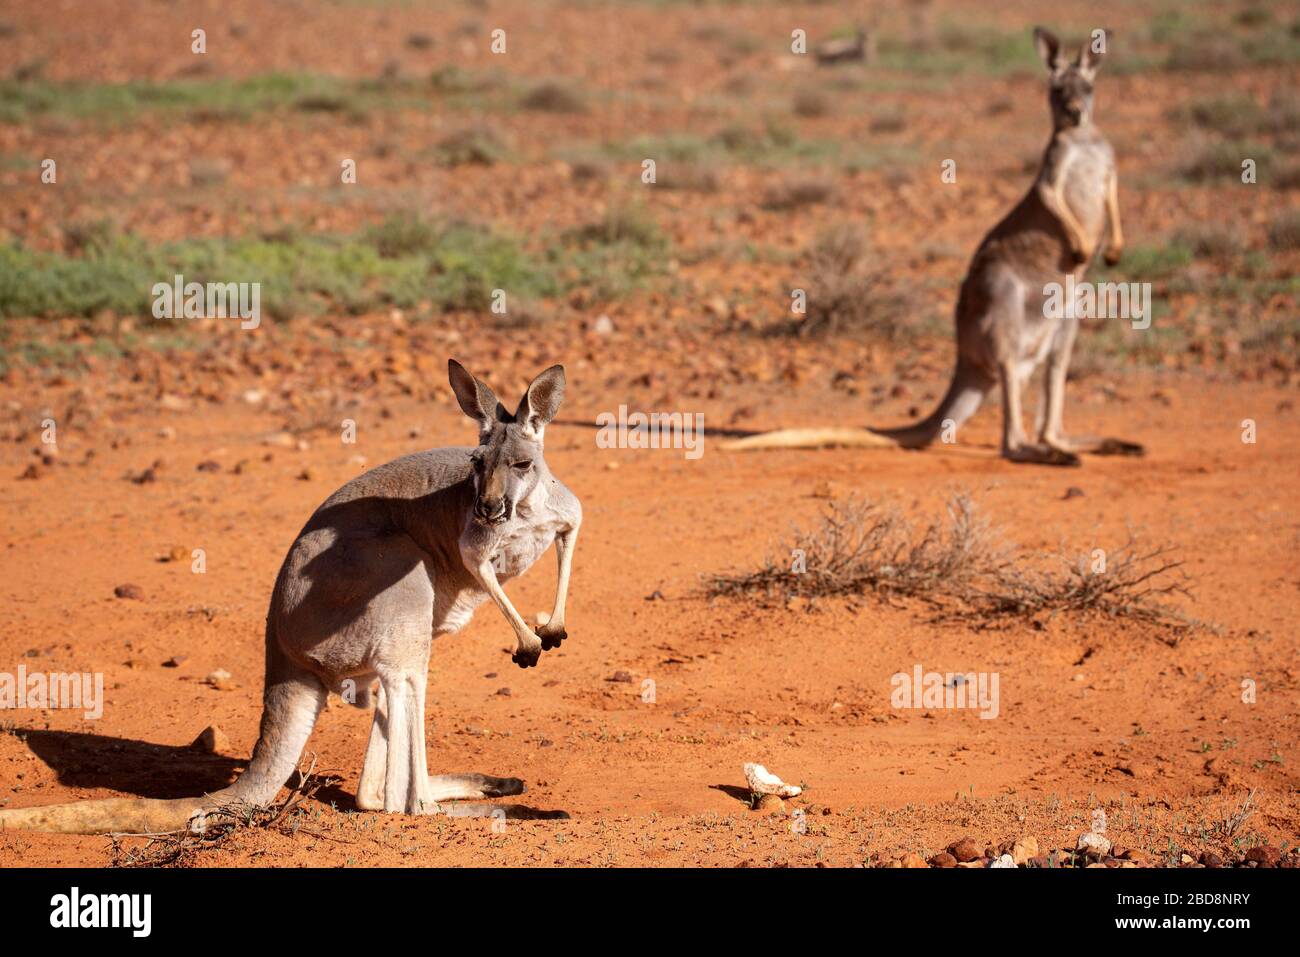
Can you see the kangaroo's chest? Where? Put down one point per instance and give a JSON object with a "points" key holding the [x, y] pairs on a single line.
{"points": [[1087, 171], [520, 547]]}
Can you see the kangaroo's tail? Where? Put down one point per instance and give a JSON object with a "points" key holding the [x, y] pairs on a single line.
{"points": [[292, 700], [965, 393]]}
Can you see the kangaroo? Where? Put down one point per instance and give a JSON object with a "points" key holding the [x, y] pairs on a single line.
{"points": [[1003, 333], [393, 559]]}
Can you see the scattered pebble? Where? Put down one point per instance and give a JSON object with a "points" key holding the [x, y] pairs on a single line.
{"points": [[212, 740], [128, 591]]}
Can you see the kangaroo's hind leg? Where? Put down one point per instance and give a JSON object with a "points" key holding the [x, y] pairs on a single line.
{"points": [[1051, 432]]}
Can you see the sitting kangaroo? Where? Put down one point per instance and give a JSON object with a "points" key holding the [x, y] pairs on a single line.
{"points": [[1003, 332], [393, 559]]}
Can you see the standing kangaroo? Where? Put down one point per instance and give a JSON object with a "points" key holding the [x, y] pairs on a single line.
{"points": [[1003, 332], [393, 559]]}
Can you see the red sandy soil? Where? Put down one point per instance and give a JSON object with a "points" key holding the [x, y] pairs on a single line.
{"points": [[1095, 713]]}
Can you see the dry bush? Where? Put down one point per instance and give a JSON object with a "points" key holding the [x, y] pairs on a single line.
{"points": [[846, 292], [178, 849], [811, 103], [892, 121], [959, 566], [1211, 240], [690, 177], [1131, 582], [477, 145], [861, 547], [797, 192], [552, 97], [1284, 232]]}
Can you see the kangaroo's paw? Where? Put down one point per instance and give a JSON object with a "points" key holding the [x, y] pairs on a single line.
{"points": [[527, 655], [551, 633], [1113, 255], [551, 637], [1041, 455], [1080, 256]]}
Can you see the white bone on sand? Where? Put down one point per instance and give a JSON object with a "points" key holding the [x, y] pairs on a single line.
{"points": [[763, 781]]}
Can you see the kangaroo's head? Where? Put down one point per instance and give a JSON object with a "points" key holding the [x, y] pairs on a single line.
{"points": [[508, 462], [1071, 83]]}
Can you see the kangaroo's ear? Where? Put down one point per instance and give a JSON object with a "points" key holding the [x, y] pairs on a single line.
{"points": [[541, 401], [1048, 47], [476, 399], [1092, 52]]}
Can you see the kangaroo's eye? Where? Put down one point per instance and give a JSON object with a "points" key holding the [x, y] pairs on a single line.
{"points": [[523, 466]]}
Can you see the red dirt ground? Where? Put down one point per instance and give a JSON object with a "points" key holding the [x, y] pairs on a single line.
{"points": [[1094, 713]]}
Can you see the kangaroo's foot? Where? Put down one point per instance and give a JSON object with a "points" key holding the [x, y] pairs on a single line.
{"points": [[514, 812], [460, 787], [1094, 445], [551, 632], [1113, 255], [1040, 455]]}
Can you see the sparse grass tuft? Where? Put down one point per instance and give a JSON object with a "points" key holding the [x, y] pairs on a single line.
{"points": [[1208, 241], [403, 261], [1213, 162]]}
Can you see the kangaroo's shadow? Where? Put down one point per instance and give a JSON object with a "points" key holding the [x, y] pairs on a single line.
{"points": [[130, 766]]}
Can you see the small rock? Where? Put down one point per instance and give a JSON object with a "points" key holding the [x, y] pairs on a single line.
{"points": [[1006, 860], [965, 850], [212, 741], [207, 465], [972, 864], [503, 692], [178, 553], [132, 592], [1264, 856], [1023, 850], [1094, 844], [770, 804], [621, 677], [1072, 492], [175, 661], [603, 325], [912, 861], [1210, 859], [943, 859], [220, 679]]}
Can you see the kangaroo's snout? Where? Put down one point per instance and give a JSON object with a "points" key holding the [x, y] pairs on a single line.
{"points": [[492, 511]]}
